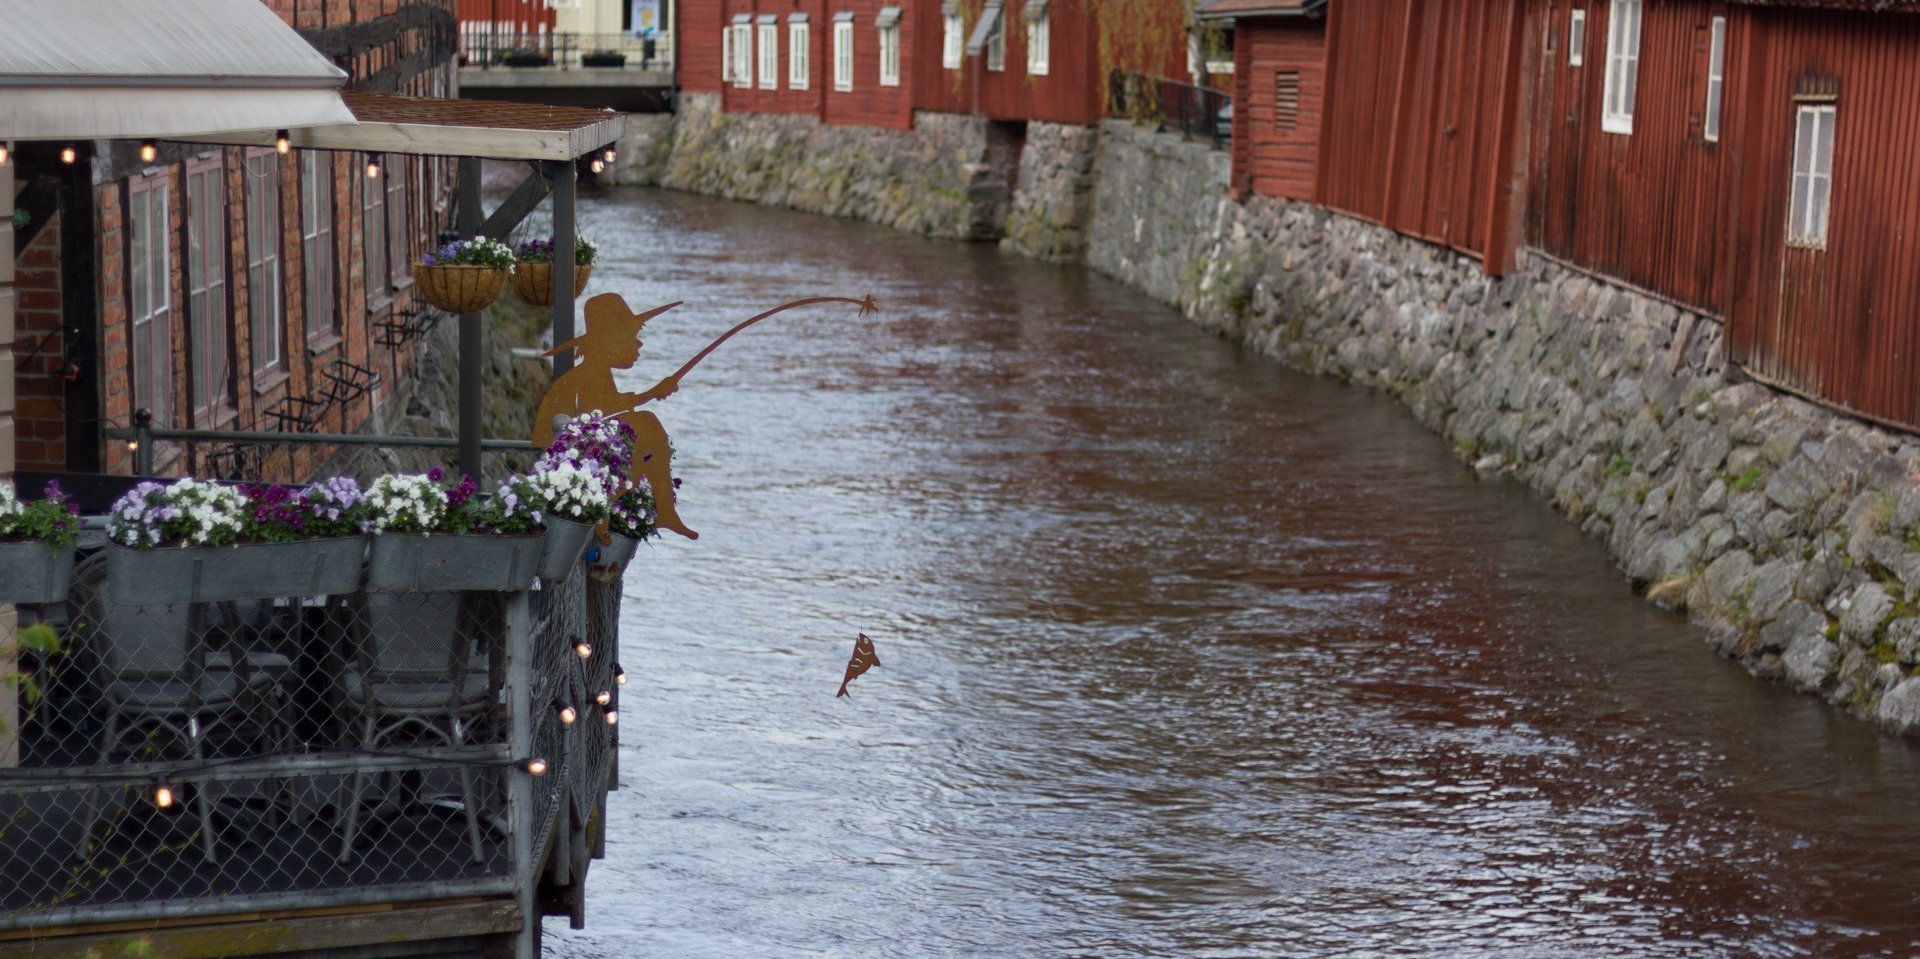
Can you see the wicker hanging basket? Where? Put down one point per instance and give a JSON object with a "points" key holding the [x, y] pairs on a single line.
{"points": [[459, 288], [533, 281]]}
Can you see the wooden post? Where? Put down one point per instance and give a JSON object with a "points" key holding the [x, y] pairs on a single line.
{"points": [[468, 216], [564, 173], [520, 719]]}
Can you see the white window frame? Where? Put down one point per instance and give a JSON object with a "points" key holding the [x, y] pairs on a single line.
{"points": [[1039, 44], [843, 55], [799, 51], [953, 41], [743, 55], [1577, 37], [769, 38], [997, 44], [266, 310], [1716, 79], [1623, 66], [890, 55], [151, 232], [1810, 204], [316, 246], [206, 213], [726, 54]]}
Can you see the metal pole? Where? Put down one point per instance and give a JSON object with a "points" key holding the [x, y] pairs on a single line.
{"points": [[564, 174], [520, 787], [469, 216], [143, 442]]}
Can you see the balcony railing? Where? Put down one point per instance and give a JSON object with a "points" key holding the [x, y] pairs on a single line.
{"points": [[298, 751], [1193, 111], [491, 49]]}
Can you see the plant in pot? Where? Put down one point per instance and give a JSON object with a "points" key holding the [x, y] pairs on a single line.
{"points": [[196, 541], [464, 276], [571, 496], [36, 545], [533, 268], [629, 521], [603, 58], [526, 57], [428, 535]]}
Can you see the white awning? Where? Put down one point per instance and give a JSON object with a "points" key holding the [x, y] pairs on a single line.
{"points": [[124, 69], [887, 17], [983, 31]]}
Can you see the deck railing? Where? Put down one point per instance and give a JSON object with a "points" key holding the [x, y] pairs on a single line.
{"points": [[1195, 111], [293, 751], [491, 49]]}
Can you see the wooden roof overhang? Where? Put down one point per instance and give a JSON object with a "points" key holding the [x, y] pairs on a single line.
{"points": [[1247, 9], [426, 126]]}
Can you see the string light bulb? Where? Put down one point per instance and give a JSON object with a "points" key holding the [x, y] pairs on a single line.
{"points": [[6, 152], [282, 142], [68, 154], [608, 155], [619, 675], [568, 714], [584, 648], [603, 698], [535, 767], [149, 151], [162, 797], [597, 165], [612, 714], [133, 446], [373, 166]]}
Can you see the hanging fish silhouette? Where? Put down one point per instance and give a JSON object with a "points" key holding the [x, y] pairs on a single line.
{"points": [[863, 659]]}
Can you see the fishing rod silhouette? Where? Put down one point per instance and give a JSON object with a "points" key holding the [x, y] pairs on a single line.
{"points": [[612, 342]]}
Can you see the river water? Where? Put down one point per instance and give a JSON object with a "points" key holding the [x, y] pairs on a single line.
{"points": [[1183, 654]]}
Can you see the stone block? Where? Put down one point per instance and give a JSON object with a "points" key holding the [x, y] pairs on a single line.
{"points": [[1865, 611], [1899, 710], [1808, 661]]}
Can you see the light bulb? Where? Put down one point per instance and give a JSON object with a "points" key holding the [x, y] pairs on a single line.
{"points": [[535, 767], [603, 698], [597, 165], [608, 155], [568, 714], [162, 797], [373, 168], [148, 151], [613, 716], [6, 151], [619, 674], [282, 142], [68, 154], [585, 649]]}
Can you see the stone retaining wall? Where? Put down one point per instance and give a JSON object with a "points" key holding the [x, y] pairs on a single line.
{"points": [[1791, 533], [1053, 193]]}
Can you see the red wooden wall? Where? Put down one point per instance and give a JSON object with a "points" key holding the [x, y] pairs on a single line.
{"points": [[1843, 322], [1276, 154], [1421, 122], [516, 16], [869, 103], [696, 37]]}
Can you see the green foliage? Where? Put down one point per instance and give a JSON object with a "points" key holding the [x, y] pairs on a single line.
{"points": [[1619, 467], [38, 638], [53, 519], [1748, 479]]}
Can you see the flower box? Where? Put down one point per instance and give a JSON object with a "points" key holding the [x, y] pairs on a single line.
{"points": [[454, 561], [459, 288], [603, 58], [533, 281], [210, 574], [566, 540], [618, 552], [33, 572]]}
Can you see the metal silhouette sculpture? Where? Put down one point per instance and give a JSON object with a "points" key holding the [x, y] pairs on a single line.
{"points": [[864, 658], [612, 342]]}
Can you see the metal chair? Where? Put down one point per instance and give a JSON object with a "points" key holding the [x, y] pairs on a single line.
{"points": [[418, 667], [164, 669]]}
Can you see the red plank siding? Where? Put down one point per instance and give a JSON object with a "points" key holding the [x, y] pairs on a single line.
{"points": [[696, 34], [1275, 154]]}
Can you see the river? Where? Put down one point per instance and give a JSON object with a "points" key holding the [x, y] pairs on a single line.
{"points": [[1182, 654]]}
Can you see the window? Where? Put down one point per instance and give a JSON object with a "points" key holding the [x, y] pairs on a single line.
{"points": [[797, 53], [952, 40], [263, 259], [843, 54], [399, 237], [726, 54], [997, 43], [1039, 39], [890, 55], [207, 285], [1286, 100], [1623, 65], [1812, 176], [316, 243], [1577, 38], [148, 227], [1716, 77], [373, 238], [769, 54], [742, 53]]}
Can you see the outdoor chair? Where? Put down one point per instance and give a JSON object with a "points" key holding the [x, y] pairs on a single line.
{"points": [[166, 676], [418, 671]]}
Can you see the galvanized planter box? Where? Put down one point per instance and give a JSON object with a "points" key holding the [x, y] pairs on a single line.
{"points": [[618, 552], [31, 572], [421, 562], [213, 574], [566, 540]]}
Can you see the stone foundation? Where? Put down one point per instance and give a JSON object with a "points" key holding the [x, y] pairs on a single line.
{"points": [[1053, 196], [1790, 532]]}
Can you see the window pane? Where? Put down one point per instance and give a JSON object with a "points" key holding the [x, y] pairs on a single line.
{"points": [[1823, 142]]}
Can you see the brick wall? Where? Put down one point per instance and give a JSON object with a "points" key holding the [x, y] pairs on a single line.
{"points": [[40, 351]]}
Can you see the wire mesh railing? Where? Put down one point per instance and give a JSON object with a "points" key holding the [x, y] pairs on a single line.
{"points": [[1193, 111], [206, 758], [487, 49]]}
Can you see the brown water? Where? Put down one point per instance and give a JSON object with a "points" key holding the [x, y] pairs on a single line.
{"points": [[1183, 655]]}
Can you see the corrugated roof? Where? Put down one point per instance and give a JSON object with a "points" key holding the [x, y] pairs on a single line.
{"points": [[118, 69], [1230, 9]]}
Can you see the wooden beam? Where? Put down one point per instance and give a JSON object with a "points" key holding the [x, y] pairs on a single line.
{"points": [[429, 139], [277, 933], [522, 201]]}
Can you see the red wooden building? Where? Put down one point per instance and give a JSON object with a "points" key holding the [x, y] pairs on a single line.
{"points": [[1600, 132]]}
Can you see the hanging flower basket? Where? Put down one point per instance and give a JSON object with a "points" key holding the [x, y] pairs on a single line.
{"points": [[210, 574], [566, 540], [533, 281], [35, 572], [454, 561], [459, 288]]}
